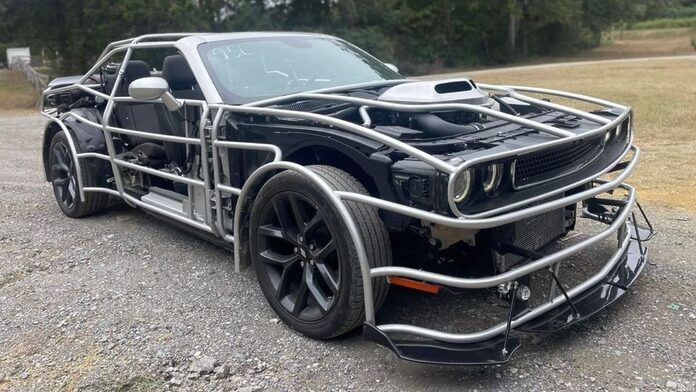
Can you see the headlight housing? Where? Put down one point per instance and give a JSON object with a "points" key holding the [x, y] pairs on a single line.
{"points": [[461, 188], [492, 178]]}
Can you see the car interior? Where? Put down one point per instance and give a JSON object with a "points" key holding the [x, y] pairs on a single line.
{"points": [[155, 117]]}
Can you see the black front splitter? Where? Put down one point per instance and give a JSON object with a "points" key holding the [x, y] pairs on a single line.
{"points": [[497, 350], [596, 298], [489, 352]]}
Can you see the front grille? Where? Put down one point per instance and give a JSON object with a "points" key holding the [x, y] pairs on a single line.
{"points": [[531, 233], [547, 165]]}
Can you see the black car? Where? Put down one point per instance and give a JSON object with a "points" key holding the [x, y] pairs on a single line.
{"points": [[335, 178]]}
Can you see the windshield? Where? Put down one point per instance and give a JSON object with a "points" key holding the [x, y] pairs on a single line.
{"points": [[253, 69]]}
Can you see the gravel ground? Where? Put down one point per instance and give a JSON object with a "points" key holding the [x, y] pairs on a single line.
{"points": [[120, 301]]}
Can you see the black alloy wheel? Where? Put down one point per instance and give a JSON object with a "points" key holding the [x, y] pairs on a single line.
{"points": [[305, 261], [299, 254], [63, 176]]}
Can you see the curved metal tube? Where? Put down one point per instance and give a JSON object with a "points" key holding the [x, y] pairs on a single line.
{"points": [[349, 126], [564, 109], [367, 121], [149, 135], [484, 223], [511, 275], [73, 152], [542, 196], [564, 94], [500, 328], [443, 106]]}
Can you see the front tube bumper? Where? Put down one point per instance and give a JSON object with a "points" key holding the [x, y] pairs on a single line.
{"points": [[493, 345]]}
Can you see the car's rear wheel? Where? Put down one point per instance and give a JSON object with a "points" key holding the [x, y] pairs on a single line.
{"points": [[304, 259], [63, 178]]}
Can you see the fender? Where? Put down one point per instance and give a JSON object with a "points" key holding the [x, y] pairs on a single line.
{"points": [[87, 137], [360, 156]]}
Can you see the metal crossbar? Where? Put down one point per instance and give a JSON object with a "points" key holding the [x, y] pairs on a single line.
{"points": [[214, 188]]}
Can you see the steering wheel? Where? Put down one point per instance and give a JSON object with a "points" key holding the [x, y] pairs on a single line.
{"points": [[294, 80]]}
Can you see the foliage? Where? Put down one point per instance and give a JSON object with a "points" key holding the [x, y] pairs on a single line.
{"points": [[417, 35], [693, 42]]}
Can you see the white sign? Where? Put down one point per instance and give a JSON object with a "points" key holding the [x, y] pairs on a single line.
{"points": [[19, 53]]}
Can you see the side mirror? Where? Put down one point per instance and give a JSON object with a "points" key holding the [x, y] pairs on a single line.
{"points": [[392, 67], [152, 88]]}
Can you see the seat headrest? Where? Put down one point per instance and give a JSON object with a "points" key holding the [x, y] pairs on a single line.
{"points": [[136, 69], [176, 71]]}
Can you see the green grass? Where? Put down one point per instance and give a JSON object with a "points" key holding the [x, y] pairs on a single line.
{"points": [[15, 92], [665, 23]]}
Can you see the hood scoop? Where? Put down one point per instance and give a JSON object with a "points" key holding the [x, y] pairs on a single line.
{"points": [[437, 91]]}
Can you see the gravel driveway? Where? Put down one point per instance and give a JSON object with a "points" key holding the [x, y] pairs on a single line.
{"points": [[120, 301]]}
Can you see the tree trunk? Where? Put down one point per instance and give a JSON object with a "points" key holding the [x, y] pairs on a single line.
{"points": [[348, 11], [513, 25]]}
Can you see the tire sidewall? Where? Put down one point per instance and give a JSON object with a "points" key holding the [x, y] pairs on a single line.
{"points": [[72, 211], [336, 318]]}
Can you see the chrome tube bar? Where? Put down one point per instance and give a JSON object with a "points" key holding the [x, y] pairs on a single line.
{"points": [[150, 207], [93, 155], [349, 126], [272, 148], [526, 269], [207, 187], [498, 220], [106, 116], [219, 187], [565, 109], [73, 152], [159, 173], [563, 94], [500, 328], [521, 203], [441, 107]]}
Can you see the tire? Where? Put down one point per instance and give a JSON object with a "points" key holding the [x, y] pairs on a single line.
{"points": [[63, 180], [288, 255]]}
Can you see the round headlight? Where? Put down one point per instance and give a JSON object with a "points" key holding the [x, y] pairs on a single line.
{"points": [[462, 186], [491, 181]]}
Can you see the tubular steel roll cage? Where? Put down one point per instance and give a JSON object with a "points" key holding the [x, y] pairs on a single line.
{"points": [[619, 224]]}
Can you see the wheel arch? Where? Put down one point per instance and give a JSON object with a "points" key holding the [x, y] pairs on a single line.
{"points": [[345, 159], [351, 161], [51, 129], [86, 137]]}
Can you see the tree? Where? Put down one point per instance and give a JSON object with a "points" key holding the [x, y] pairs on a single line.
{"points": [[418, 35]]}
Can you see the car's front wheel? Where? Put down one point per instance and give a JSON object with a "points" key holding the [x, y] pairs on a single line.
{"points": [[304, 258]]}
